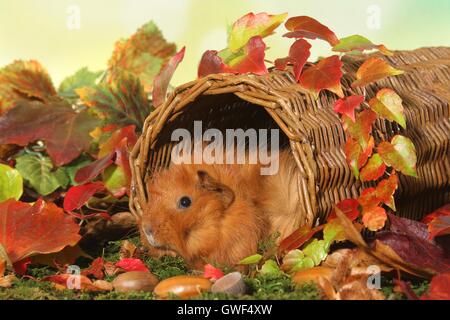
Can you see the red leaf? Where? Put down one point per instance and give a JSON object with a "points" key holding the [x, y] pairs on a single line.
{"points": [[93, 169], [298, 55], [326, 74], [96, 269], [439, 288], [65, 132], [26, 230], [442, 211], [347, 105], [132, 264], [211, 272], [297, 238], [252, 60], [162, 80], [210, 63], [115, 141], [439, 224], [374, 168], [355, 155], [77, 196], [360, 129], [20, 267], [307, 27], [347, 206]]}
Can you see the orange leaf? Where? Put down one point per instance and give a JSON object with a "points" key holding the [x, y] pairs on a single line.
{"points": [[347, 105], [307, 27], [439, 288], [368, 198], [326, 74], [355, 155], [374, 69], [388, 105], [360, 129], [374, 218], [349, 207], [385, 190], [374, 168], [400, 153], [26, 230]]}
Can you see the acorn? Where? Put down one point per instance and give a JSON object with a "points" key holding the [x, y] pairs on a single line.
{"points": [[135, 281], [183, 286]]}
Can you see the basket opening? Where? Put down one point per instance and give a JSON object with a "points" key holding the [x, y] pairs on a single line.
{"points": [[222, 112]]}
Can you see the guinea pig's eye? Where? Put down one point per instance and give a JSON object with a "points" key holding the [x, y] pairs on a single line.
{"points": [[184, 202]]}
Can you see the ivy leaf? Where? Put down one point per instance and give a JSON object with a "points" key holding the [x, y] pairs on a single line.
{"points": [[400, 153], [11, 183], [39, 173], [123, 136], [333, 231], [361, 128], [253, 259], [388, 105], [307, 27], [65, 131], [347, 105], [142, 55], [251, 25], [385, 190], [270, 267], [359, 43], [27, 230], [296, 260], [298, 56], [374, 168], [349, 207], [132, 264], [374, 218], [355, 155], [252, 59], [122, 103], [162, 80], [368, 198], [82, 78], [26, 80], [317, 250], [210, 63], [326, 74], [374, 69], [77, 196]]}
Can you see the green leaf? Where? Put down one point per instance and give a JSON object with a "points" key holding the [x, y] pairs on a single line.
{"points": [[251, 259], [388, 105], [142, 55], [317, 250], [82, 78], [38, 172], [400, 153], [357, 44], [333, 231], [270, 267], [296, 260], [115, 180], [11, 183]]}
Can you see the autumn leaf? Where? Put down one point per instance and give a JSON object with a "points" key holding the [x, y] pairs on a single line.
{"points": [[210, 63], [355, 155], [65, 131], [439, 288], [162, 80], [374, 69], [75, 282], [132, 264], [307, 27], [251, 60], [24, 80], [297, 238], [374, 168], [126, 135], [38, 171], [210, 272], [296, 260], [253, 259], [26, 230], [368, 198], [361, 128], [439, 222], [66, 256], [374, 218], [442, 211], [298, 56], [77, 196], [326, 74], [93, 169], [11, 183], [142, 55], [270, 267], [400, 154], [388, 105], [251, 25], [123, 102], [349, 207], [347, 105], [116, 181], [385, 190], [81, 78], [359, 43], [95, 269]]}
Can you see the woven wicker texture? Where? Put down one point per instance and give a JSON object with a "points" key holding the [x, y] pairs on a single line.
{"points": [[313, 130]]}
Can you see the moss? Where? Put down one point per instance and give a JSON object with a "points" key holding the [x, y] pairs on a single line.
{"points": [[167, 266], [418, 286]]}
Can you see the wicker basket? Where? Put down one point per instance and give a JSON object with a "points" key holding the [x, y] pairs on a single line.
{"points": [[313, 130]]}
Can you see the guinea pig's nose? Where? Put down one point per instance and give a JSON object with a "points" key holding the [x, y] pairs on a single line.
{"points": [[148, 231], [149, 235]]}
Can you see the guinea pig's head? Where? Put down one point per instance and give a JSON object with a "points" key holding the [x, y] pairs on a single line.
{"points": [[185, 210]]}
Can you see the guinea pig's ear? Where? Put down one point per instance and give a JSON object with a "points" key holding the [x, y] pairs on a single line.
{"points": [[209, 183]]}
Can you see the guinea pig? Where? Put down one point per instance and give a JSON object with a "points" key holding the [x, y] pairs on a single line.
{"points": [[218, 213]]}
